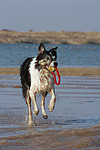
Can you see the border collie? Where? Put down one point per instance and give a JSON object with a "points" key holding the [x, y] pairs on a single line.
{"points": [[37, 78]]}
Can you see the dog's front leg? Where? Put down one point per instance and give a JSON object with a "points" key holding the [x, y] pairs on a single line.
{"points": [[43, 105], [53, 100], [28, 102], [33, 98]]}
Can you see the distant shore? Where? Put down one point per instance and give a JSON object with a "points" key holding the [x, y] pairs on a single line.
{"points": [[64, 71], [49, 37]]}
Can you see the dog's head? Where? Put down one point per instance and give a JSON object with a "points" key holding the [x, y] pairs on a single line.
{"points": [[45, 58]]}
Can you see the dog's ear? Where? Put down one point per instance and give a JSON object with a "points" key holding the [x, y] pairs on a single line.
{"points": [[41, 48], [53, 53], [53, 49]]}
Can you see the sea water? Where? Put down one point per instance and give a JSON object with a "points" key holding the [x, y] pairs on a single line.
{"points": [[12, 55]]}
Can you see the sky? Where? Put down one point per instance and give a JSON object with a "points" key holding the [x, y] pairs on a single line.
{"points": [[50, 15]]}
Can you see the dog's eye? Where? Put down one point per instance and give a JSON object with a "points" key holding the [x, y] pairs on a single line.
{"points": [[54, 57], [47, 58]]}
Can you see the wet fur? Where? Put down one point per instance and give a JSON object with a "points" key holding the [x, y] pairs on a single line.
{"points": [[36, 78]]}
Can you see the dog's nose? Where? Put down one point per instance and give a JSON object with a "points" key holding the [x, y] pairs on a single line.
{"points": [[55, 64]]}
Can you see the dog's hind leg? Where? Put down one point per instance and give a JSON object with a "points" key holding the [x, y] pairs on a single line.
{"points": [[33, 98], [28, 102], [53, 100], [43, 105]]}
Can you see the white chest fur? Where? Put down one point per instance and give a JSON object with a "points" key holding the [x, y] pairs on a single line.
{"points": [[40, 80]]}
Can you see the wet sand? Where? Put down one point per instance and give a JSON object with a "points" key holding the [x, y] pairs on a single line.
{"points": [[71, 139], [64, 71], [74, 123]]}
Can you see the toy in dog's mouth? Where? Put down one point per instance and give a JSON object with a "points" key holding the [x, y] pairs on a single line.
{"points": [[52, 69]]}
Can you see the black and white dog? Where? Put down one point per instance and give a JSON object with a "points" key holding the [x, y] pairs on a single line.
{"points": [[36, 78]]}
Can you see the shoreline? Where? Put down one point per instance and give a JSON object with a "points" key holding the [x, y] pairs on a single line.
{"points": [[64, 71]]}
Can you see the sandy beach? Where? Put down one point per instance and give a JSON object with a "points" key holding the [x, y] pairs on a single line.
{"points": [[74, 123], [64, 71]]}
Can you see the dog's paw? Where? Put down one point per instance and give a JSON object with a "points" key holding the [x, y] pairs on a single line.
{"points": [[45, 116], [51, 107], [30, 123], [36, 112]]}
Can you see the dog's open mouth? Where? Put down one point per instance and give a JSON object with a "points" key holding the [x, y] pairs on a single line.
{"points": [[52, 70]]}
